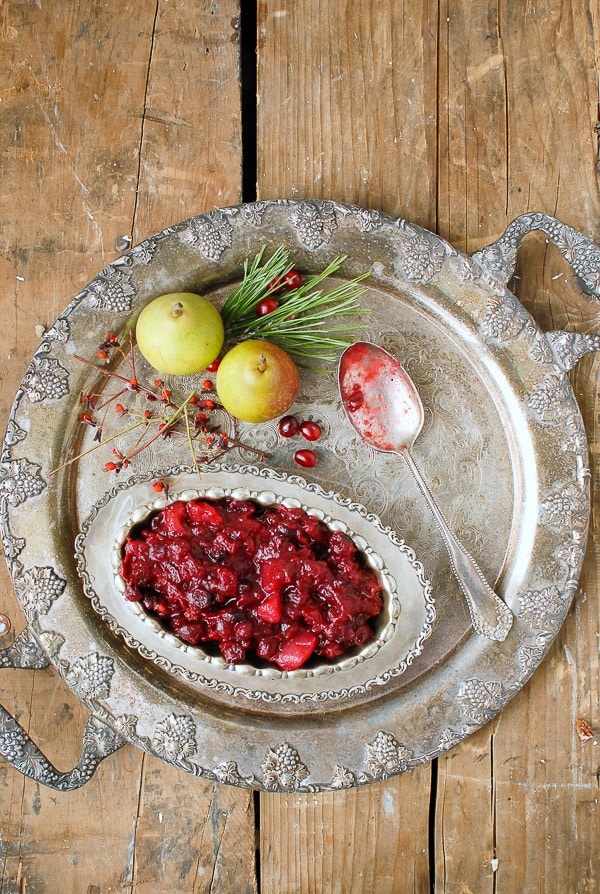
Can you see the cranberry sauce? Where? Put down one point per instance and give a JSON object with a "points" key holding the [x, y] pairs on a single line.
{"points": [[268, 584]]}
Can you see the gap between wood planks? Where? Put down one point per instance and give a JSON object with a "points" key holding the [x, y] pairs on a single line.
{"points": [[248, 78]]}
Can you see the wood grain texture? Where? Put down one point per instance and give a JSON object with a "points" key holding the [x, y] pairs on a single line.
{"points": [[347, 103], [517, 133], [491, 113], [371, 839], [353, 88], [94, 102]]}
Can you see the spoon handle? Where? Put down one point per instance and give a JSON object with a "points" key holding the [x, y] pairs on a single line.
{"points": [[491, 616]]}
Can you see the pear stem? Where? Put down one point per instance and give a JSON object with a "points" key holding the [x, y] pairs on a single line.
{"points": [[262, 363], [177, 309]]}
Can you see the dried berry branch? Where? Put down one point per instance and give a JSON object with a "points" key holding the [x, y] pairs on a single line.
{"points": [[194, 418]]}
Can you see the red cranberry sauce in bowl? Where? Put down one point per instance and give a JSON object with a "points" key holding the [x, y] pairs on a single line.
{"points": [[267, 585]]}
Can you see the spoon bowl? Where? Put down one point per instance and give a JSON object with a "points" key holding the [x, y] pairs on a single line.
{"points": [[384, 408]]}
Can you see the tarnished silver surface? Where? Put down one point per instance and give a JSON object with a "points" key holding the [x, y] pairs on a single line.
{"points": [[503, 448]]}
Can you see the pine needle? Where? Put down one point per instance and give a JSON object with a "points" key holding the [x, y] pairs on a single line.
{"points": [[307, 322]]}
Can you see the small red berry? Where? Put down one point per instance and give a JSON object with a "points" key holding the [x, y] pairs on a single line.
{"points": [[158, 486], [275, 285], [306, 458], [165, 394], [147, 414], [213, 367], [102, 354], [310, 430], [87, 418], [158, 383], [119, 408], [110, 466], [288, 426], [292, 280], [133, 384], [266, 306], [207, 385]]}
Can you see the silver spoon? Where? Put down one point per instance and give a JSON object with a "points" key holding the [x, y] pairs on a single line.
{"points": [[384, 407]]}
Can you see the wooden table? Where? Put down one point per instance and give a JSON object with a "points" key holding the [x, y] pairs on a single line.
{"points": [[118, 119]]}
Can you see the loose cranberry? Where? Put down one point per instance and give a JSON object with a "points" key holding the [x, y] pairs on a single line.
{"points": [[110, 466], [288, 426], [275, 285], [306, 458], [292, 280], [213, 367], [266, 306], [310, 430]]}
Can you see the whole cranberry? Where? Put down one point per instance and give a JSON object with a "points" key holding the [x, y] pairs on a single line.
{"points": [[288, 426], [292, 280], [310, 430], [306, 458], [266, 306]]}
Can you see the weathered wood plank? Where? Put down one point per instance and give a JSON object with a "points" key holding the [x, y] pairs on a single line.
{"points": [[347, 104], [190, 157], [347, 111], [111, 124], [518, 93], [363, 840]]}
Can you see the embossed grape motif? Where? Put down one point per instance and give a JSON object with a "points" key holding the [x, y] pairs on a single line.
{"points": [[46, 379], [283, 770], [480, 699], [20, 480], [314, 223], [210, 233], [543, 609], [38, 589], [91, 676], [112, 290], [175, 738], [385, 757]]}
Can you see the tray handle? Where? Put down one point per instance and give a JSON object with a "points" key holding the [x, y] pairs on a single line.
{"points": [[499, 259], [16, 747]]}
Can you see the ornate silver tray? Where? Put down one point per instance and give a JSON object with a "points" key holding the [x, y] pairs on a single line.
{"points": [[503, 446]]}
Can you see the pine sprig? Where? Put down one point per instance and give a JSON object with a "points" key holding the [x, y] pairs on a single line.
{"points": [[254, 286], [303, 323]]}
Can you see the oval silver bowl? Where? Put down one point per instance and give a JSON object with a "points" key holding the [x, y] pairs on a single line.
{"points": [[400, 632]]}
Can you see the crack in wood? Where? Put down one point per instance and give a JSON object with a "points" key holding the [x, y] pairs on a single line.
{"points": [[144, 116]]}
